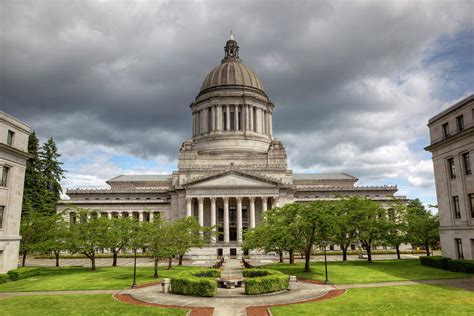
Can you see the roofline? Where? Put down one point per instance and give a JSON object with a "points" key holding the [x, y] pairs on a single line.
{"points": [[452, 108], [19, 124]]}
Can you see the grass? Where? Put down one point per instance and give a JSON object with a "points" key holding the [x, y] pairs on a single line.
{"points": [[364, 272], [75, 278], [101, 304], [394, 300]]}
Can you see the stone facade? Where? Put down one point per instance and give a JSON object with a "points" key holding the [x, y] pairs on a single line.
{"points": [[230, 172], [452, 146], [13, 156]]}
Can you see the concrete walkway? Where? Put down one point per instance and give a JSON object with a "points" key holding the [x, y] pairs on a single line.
{"points": [[232, 269], [463, 283], [13, 294]]}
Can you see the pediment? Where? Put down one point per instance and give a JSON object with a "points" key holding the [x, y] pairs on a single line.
{"points": [[232, 180]]}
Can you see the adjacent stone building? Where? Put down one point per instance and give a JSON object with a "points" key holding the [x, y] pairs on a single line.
{"points": [[230, 172], [13, 156], [452, 146]]}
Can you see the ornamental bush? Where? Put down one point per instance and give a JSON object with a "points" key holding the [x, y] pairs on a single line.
{"points": [[22, 273], [197, 283], [259, 281], [3, 278], [435, 262], [466, 266]]}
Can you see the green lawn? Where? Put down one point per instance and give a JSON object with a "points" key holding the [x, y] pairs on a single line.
{"points": [[102, 304], [69, 278], [394, 300], [365, 272]]}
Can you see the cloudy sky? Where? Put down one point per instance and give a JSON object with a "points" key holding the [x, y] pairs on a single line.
{"points": [[354, 82]]}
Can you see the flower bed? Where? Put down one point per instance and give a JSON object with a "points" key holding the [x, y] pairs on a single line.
{"points": [[260, 281], [196, 283]]}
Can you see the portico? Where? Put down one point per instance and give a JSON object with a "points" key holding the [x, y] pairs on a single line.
{"points": [[229, 215]]}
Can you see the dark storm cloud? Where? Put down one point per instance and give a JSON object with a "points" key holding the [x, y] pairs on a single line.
{"points": [[124, 74]]}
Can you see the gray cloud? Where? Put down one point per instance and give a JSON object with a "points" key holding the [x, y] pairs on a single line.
{"points": [[123, 75]]}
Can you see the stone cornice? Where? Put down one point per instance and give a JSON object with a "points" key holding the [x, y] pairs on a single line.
{"points": [[451, 139], [309, 188], [15, 151]]}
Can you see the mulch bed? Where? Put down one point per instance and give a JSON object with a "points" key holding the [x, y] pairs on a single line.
{"points": [[195, 311], [262, 310]]}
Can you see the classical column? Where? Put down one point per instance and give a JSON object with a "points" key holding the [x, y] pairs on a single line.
{"points": [[270, 124], [189, 209], [239, 219], [213, 218], [251, 124], [236, 117], [219, 117], [227, 118], [213, 118], [276, 201], [201, 211], [140, 216], [226, 220], [151, 216], [252, 212], [264, 204]]}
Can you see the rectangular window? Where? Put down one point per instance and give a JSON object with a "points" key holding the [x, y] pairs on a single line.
{"points": [[457, 211], [2, 209], [460, 122], [445, 130], [459, 253], [452, 168], [4, 179], [254, 123], [467, 163], [209, 120], [10, 136], [471, 204], [224, 123], [72, 218], [239, 118]]}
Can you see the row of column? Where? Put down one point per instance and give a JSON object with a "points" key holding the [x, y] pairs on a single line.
{"points": [[264, 200], [245, 118], [142, 216]]}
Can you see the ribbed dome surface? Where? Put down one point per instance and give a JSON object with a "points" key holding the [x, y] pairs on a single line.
{"points": [[231, 72]]}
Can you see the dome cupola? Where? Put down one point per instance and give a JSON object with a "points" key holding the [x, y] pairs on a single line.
{"points": [[232, 113]]}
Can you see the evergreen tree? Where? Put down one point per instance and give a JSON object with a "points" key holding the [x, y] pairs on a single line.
{"points": [[52, 174], [33, 194]]}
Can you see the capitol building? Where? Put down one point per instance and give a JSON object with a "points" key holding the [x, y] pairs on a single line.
{"points": [[230, 172]]}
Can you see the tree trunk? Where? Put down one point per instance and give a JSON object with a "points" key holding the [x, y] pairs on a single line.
{"points": [[93, 262], [292, 256], [427, 249], [156, 267], [397, 247], [369, 253], [281, 256], [23, 260], [170, 262], [307, 258], [344, 252], [180, 260], [114, 256], [56, 254]]}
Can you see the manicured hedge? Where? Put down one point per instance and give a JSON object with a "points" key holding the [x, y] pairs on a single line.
{"points": [[435, 262], [197, 283], [3, 278], [466, 266], [259, 281], [22, 273]]}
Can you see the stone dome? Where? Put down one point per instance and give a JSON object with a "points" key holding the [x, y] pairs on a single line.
{"points": [[231, 72]]}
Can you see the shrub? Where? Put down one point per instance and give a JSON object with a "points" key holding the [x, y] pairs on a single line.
{"points": [[435, 262], [3, 278], [197, 283], [22, 273], [466, 266], [259, 281]]}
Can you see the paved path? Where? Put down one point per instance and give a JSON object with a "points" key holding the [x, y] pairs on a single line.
{"points": [[229, 306], [13, 294], [464, 283], [232, 269]]}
